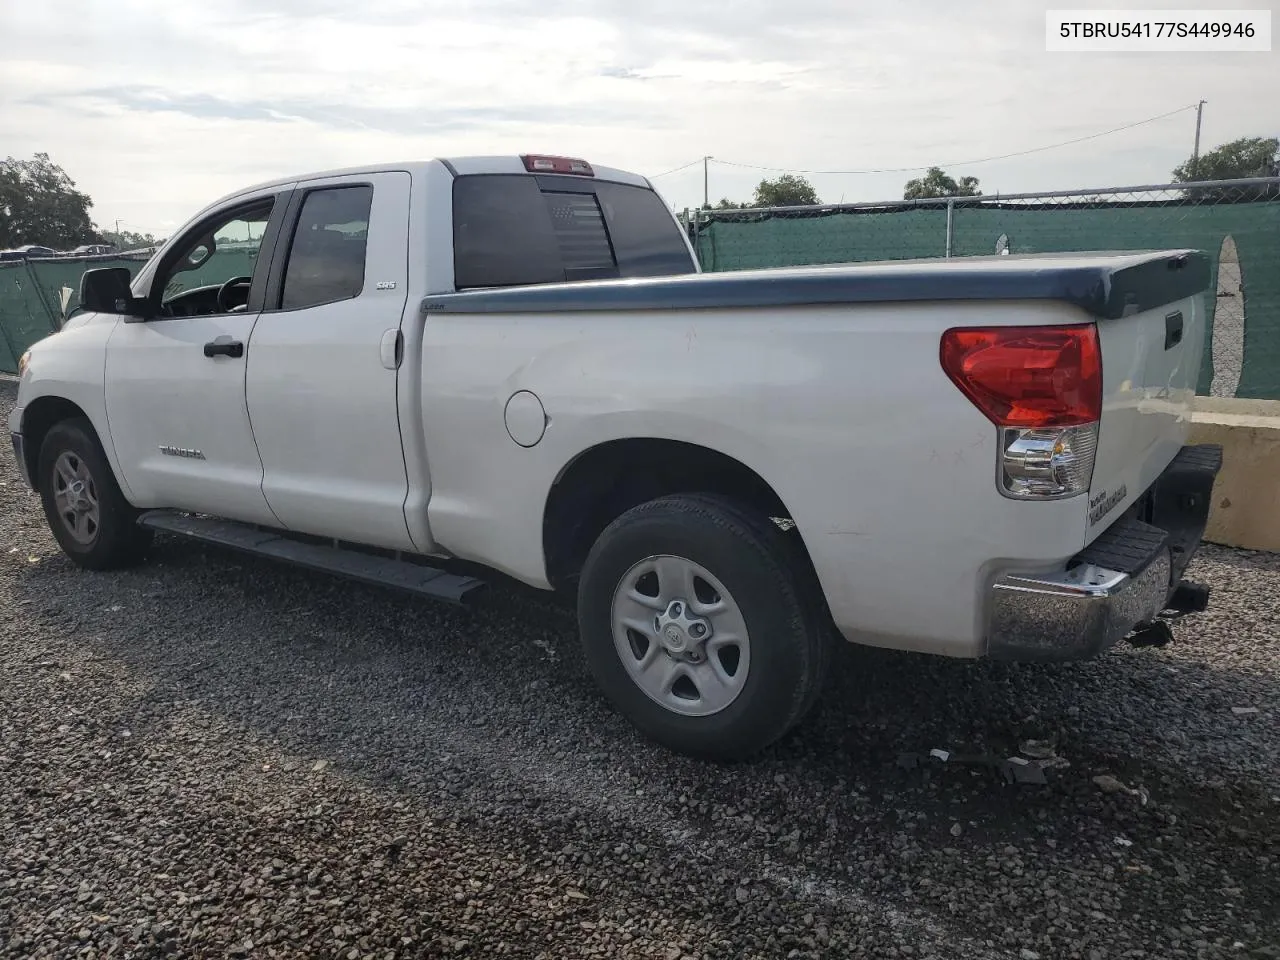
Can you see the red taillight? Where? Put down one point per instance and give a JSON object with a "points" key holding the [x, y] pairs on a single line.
{"points": [[1028, 376], [539, 164]]}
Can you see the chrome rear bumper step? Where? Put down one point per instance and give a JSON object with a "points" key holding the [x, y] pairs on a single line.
{"points": [[1123, 585]]}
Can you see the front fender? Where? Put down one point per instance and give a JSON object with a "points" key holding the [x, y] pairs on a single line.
{"points": [[71, 366]]}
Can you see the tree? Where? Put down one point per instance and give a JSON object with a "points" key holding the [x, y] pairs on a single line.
{"points": [[785, 191], [1246, 157], [128, 240], [1239, 159], [937, 183], [40, 204]]}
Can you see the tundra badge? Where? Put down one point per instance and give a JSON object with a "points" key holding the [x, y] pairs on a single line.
{"points": [[1105, 502], [169, 451]]}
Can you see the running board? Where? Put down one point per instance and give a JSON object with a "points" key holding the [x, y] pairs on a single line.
{"points": [[340, 561]]}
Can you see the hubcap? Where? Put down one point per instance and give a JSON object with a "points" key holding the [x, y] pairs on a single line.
{"points": [[680, 635], [75, 497]]}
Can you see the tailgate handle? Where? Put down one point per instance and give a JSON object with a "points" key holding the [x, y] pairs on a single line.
{"points": [[1173, 329]]}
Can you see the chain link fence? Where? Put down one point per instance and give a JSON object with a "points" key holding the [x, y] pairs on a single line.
{"points": [[1237, 222]]}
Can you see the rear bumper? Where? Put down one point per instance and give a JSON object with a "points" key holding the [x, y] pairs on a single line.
{"points": [[1121, 581], [20, 457]]}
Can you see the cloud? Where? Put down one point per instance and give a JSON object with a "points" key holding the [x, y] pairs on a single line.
{"points": [[429, 118], [99, 101], [160, 107]]}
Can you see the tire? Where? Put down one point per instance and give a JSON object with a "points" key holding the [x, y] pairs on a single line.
{"points": [[713, 549], [106, 535]]}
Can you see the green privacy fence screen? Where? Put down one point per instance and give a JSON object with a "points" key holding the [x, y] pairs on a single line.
{"points": [[31, 290], [1237, 223]]}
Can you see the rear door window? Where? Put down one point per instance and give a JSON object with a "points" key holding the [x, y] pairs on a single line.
{"points": [[512, 230], [326, 258]]}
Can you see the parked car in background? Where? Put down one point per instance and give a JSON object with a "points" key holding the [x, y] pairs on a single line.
{"points": [[27, 251]]}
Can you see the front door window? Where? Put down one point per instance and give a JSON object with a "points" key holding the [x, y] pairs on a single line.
{"points": [[215, 266]]}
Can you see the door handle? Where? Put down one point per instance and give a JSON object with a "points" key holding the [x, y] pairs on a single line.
{"points": [[224, 348]]}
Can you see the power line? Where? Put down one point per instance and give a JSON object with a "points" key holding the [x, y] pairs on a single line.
{"points": [[683, 166], [950, 163]]}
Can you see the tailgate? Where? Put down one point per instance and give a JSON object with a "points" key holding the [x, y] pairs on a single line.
{"points": [[1150, 365]]}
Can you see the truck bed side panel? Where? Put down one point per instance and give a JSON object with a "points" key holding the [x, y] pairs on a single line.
{"points": [[887, 470]]}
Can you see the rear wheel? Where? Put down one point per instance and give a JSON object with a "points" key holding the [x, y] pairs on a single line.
{"points": [[699, 624], [91, 520]]}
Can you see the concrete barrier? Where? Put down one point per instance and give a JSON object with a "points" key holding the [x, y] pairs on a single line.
{"points": [[1246, 507]]}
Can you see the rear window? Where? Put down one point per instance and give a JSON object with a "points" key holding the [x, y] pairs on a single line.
{"points": [[578, 223], [512, 229]]}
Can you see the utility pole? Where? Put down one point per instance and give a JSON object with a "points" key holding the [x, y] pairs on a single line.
{"points": [[1195, 154], [706, 193]]}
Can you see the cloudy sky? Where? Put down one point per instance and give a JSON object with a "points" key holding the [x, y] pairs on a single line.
{"points": [[156, 108]]}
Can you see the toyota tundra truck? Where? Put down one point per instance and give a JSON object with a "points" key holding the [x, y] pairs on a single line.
{"points": [[411, 374]]}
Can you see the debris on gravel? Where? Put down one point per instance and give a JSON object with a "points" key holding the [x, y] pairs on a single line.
{"points": [[212, 756]]}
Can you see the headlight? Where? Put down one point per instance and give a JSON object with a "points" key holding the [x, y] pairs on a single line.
{"points": [[23, 361]]}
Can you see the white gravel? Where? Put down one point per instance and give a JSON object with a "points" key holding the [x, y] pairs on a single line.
{"points": [[215, 756]]}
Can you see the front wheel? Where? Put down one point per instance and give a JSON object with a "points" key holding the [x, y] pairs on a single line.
{"points": [[91, 520], [697, 622]]}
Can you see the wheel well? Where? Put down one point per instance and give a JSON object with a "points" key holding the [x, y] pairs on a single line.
{"points": [[610, 479], [37, 420]]}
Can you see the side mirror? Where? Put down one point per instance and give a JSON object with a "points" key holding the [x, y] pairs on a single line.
{"points": [[106, 290]]}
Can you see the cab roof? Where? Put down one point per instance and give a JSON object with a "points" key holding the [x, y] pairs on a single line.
{"points": [[456, 166]]}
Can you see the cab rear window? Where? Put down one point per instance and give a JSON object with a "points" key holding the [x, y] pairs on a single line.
{"points": [[516, 229]]}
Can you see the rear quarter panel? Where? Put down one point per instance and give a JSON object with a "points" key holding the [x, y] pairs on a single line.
{"points": [[887, 470]]}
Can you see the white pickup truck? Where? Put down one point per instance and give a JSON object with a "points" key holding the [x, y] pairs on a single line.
{"points": [[515, 364]]}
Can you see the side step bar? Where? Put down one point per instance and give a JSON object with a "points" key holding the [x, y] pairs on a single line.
{"points": [[343, 562]]}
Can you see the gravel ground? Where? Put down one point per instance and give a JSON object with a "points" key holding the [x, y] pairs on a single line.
{"points": [[212, 756]]}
